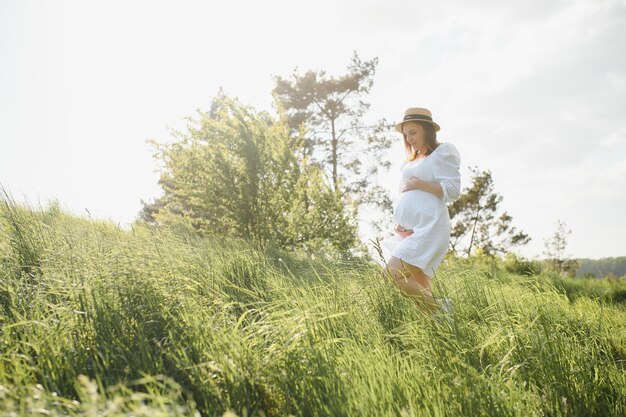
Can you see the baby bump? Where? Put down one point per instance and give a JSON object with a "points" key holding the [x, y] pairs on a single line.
{"points": [[417, 207]]}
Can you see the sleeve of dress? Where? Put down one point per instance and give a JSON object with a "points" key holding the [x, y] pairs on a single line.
{"points": [[447, 172], [401, 177]]}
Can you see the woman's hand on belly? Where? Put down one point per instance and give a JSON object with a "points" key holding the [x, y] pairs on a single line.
{"points": [[402, 231], [415, 183], [411, 184]]}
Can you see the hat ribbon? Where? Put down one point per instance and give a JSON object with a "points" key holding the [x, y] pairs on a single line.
{"points": [[417, 117]]}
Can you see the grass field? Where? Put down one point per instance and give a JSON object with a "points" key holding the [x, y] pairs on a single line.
{"points": [[100, 321]]}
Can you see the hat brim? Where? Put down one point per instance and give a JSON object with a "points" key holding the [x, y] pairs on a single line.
{"points": [[399, 125]]}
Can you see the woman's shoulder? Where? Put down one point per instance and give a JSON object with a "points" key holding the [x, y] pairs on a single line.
{"points": [[446, 148]]}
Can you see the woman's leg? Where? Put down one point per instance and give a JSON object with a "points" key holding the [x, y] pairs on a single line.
{"points": [[413, 282]]}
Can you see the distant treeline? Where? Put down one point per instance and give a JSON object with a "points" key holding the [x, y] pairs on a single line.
{"points": [[602, 267]]}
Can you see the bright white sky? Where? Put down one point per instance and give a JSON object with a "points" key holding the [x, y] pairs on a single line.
{"points": [[535, 91]]}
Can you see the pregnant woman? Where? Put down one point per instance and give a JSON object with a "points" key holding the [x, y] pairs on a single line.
{"points": [[430, 179]]}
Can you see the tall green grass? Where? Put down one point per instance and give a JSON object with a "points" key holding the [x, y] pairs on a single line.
{"points": [[100, 321]]}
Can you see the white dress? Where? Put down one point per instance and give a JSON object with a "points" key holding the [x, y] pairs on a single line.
{"points": [[426, 213]]}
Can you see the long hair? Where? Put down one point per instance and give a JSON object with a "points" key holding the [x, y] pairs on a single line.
{"points": [[431, 141]]}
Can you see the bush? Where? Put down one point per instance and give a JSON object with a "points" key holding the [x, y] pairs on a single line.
{"points": [[520, 265]]}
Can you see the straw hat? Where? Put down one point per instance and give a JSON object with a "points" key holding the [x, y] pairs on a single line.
{"points": [[417, 114]]}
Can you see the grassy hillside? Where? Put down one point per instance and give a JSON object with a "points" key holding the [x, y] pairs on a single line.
{"points": [[99, 321]]}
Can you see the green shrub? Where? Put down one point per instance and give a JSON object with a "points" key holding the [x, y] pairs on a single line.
{"points": [[520, 265]]}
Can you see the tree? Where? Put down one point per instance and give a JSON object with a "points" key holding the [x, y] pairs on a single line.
{"points": [[602, 267], [331, 109], [236, 172], [477, 223], [558, 260], [318, 219]]}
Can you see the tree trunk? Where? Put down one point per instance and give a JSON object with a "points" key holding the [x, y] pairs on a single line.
{"points": [[469, 249]]}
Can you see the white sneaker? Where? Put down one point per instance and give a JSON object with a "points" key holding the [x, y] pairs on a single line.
{"points": [[446, 306]]}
